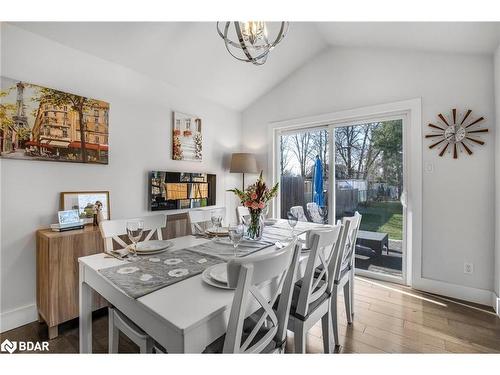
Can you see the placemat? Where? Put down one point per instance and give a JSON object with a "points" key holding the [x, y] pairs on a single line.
{"points": [[224, 249]]}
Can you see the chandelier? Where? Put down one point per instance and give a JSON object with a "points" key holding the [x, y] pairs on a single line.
{"points": [[249, 41]]}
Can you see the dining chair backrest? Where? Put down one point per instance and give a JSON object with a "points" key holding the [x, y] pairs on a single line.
{"points": [[245, 274], [314, 212], [200, 219], [344, 252], [113, 231], [242, 212], [350, 241], [298, 212], [317, 276]]}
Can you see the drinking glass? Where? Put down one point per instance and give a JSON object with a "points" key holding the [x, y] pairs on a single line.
{"points": [[216, 223], [235, 235], [292, 221], [135, 229]]}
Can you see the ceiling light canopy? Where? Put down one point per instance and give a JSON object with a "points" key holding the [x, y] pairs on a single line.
{"points": [[250, 41]]}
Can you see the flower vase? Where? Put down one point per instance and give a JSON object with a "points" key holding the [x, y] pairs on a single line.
{"points": [[255, 225]]}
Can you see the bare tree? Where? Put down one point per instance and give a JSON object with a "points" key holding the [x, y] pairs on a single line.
{"points": [[284, 155], [301, 148]]}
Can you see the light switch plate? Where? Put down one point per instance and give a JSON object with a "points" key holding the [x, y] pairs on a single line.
{"points": [[429, 167]]}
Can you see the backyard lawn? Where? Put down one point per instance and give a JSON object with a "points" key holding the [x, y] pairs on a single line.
{"points": [[384, 217]]}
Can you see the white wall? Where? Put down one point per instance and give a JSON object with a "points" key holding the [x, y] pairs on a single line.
{"points": [[140, 139], [457, 198], [497, 177]]}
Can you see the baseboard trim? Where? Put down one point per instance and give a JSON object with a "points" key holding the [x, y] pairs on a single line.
{"points": [[481, 296], [18, 317], [495, 303]]}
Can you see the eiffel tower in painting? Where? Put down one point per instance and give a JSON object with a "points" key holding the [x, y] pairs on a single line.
{"points": [[20, 119]]}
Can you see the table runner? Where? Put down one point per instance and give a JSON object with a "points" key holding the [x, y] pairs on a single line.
{"points": [[154, 272], [150, 273]]}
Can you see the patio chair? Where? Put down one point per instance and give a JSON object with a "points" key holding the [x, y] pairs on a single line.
{"points": [[298, 212], [314, 213]]}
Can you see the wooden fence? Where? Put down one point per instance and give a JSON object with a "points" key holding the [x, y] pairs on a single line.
{"points": [[292, 193]]}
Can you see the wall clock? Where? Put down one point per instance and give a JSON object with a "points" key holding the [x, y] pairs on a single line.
{"points": [[456, 133]]}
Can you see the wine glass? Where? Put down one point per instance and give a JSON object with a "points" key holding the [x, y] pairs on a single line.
{"points": [[292, 221], [235, 235], [135, 229], [216, 223]]}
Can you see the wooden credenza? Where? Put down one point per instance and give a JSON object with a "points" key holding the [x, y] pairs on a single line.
{"points": [[57, 286]]}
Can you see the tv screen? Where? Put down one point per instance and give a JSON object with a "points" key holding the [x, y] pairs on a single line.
{"points": [[178, 190]]}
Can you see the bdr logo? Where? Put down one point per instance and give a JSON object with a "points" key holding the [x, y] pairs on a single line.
{"points": [[24, 346], [8, 346]]}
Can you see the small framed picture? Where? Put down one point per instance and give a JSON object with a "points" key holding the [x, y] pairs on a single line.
{"points": [[84, 202], [68, 217]]}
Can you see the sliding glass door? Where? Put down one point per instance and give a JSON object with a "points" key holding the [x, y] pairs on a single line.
{"points": [[304, 174], [369, 170], [333, 171]]}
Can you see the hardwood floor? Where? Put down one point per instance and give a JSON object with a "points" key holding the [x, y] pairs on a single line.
{"points": [[388, 319]]}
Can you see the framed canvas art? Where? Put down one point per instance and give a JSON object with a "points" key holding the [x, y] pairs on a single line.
{"points": [[40, 123], [84, 202], [187, 139]]}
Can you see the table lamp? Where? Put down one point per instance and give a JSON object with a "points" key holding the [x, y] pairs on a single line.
{"points": [[242, 162]]}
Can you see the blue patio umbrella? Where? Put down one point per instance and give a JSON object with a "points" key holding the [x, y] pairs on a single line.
{"points": [[318, 183]]}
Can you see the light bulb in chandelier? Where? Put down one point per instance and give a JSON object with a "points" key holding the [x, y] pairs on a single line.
{"points": [[253, 31], [249, 41]]}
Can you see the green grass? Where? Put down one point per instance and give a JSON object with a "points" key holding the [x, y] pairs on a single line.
{"points": [[384, 217]]}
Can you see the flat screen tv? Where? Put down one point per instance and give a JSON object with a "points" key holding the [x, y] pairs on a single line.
{"points": [[180, 190]]}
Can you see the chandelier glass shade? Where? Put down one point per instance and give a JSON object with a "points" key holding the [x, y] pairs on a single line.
{"points": [[250, 41]]}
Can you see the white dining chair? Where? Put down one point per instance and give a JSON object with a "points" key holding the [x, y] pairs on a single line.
{"points": [[311, 296], [242, 212], [200, 219], [265, 330], [342, 268], [298, 212], [113, 232]]}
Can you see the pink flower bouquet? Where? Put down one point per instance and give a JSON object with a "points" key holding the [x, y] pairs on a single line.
{"points": [[255, 198]]}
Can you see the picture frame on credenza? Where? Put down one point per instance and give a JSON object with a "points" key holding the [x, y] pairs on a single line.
{"points": [[84, 202]]}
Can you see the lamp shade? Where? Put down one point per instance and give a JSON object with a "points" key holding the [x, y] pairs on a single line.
{"points": [[242, 162]]}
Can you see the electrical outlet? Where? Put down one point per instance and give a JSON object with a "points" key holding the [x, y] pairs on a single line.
{"points": [[429, 167], [468, 268]]}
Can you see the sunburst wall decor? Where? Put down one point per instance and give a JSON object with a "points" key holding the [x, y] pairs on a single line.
{"points": [[456, 134]]}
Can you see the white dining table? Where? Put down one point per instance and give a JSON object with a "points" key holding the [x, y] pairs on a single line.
{"points": [[183, 317]]}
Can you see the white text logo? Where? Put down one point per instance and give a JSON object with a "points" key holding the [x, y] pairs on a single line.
{"points": [[24, 346], [8, 346]]}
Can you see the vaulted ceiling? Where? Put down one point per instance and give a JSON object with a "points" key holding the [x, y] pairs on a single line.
{"points": [[191, 54]]}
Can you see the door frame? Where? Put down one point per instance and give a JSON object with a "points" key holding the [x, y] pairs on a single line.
{"points": [[411, 112]]}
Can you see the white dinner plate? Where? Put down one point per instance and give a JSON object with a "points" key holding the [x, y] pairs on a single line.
{"points": [[152, 246], [219, 273], [221, 232], [205, 276]]}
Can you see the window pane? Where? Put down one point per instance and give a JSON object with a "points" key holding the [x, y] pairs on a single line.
{"points": [[304, 174], [369, 179]]}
